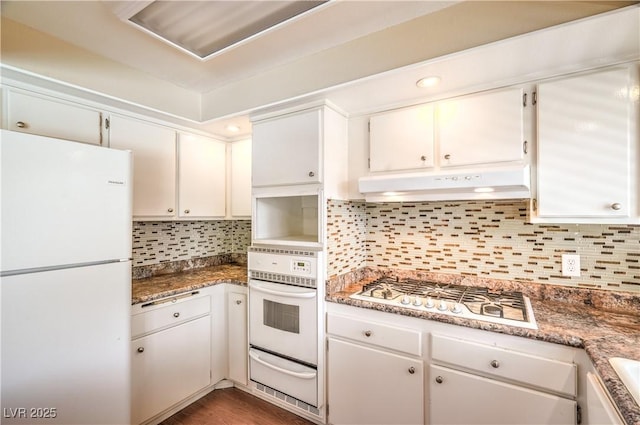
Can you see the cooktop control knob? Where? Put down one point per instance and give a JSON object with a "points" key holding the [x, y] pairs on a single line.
{"points": [[417, 302], [457, 308], [442, 306], [405, 299], [429, 303]]}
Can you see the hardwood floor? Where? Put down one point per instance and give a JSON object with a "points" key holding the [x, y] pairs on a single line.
{"points": [[231, 406]]}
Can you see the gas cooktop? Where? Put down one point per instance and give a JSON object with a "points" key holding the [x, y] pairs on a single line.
{"points": [[503, 307]]}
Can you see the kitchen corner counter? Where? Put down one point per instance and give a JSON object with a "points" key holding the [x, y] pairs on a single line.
{"points": [[166, 285], [603, 334]]}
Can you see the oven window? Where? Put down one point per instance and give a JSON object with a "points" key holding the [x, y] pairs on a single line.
{"points": [[281, 316]]}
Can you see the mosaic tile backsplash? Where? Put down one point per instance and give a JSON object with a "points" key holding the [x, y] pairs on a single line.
{"points": [[479, 238], [156, 242]]}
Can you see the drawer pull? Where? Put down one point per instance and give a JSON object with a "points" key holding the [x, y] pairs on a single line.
{"points": [[21, 124], [238, 302], [176, 314], [495, 364], [140, 349], [439, 379], [412, 370], [367, 333]]}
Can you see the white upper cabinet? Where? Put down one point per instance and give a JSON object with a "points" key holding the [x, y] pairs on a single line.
{"points": [[51, 117], [286, 149], [481, 128], [240, 197], [402, 139], [154, 164], [201, 176], [587, 148]]}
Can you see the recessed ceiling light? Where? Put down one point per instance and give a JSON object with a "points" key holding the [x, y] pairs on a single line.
{"points": [[428, 81], [232, 128]]}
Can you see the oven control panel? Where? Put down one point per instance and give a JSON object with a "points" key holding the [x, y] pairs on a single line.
{"points": [[283, 263], [301, 266]]}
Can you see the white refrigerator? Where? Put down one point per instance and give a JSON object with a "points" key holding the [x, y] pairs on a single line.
{"points": [[65, 288]]}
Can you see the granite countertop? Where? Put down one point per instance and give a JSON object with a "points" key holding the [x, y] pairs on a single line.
{"points": [[603, 334], [156, 287]]}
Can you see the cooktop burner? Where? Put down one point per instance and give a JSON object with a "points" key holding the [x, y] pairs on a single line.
{"points": [[504, 307]]}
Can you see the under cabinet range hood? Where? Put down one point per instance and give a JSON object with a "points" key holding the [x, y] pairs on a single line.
{"points": [[449, 185]]}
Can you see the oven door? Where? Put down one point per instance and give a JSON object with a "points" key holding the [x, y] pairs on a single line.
{"points": [[283, 320]]}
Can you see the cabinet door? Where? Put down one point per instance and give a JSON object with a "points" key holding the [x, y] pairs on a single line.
{"points": [[53, 118], [481, 129], [370, 386], [286, 150], [169, 366], [598, 407], [402, 139], [237, 332], [584, 145], [154, 164], [201, 176], [241, 178], [461, 398]]}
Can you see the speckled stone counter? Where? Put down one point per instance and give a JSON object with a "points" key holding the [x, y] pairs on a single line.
{"points": [[602, 333], [156, 287]]}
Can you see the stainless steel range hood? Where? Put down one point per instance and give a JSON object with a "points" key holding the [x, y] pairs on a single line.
{"points": [[483, 183]]}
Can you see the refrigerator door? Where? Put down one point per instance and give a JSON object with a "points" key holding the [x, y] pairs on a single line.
{"points": [[63, 203], [65, 346]]}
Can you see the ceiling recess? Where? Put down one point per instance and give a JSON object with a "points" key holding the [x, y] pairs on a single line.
{"points": [[207, 28]]}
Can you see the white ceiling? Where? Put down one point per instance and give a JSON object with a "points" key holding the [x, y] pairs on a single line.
{"points": [[95, 27]]}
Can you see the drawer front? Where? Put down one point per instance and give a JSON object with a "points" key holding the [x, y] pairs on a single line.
{"points": [[174, 312], [400, 339], [559, 377]]}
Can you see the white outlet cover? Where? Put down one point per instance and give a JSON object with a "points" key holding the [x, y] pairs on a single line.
{"points": [[571, 265]]}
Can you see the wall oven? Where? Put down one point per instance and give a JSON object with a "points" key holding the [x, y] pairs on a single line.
{"points": [[283, 321]]}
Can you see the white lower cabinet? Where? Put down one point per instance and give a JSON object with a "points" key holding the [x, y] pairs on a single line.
{"points": [[372, 386], [462, 398], [460, 375], [375, 373], [237, 336], [169, 366]]}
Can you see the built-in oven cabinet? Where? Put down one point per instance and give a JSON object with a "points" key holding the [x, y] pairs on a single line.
{"points": [[288, 218], [588, 147], [304, 146], [375, 372]]}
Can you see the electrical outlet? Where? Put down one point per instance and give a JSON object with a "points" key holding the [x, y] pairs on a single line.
{"points": [[570, 265]]}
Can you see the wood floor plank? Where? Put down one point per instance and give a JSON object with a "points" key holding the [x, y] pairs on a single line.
{"points": [[231, 406]]}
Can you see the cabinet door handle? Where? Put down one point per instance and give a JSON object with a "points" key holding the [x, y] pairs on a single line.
{"points": [[367, 333], [616, 206], [423, 158], [176, 314], [140, 349], [495, 364], [439, 379], [21, 124], [412, 370], [447, 156], [170, 210], [311, 174], [187, 211], [238, 302]]}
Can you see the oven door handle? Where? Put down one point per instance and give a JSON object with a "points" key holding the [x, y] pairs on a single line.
{"points": [[301, 375], [257, 287]]}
